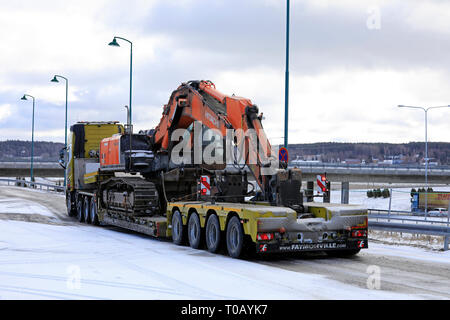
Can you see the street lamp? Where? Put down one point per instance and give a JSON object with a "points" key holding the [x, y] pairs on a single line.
{"points": [[55, 79], [286, 80], [32, 135], [426, 148], [114, 43]]}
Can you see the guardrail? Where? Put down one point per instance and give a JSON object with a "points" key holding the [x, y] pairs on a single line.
{"points": [[34, 185], [407, 216], [370, 166], [404, 223]]}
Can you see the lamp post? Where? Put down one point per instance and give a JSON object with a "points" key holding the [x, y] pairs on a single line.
{"points": [[114, 43], [65, 126], [286, 85], [32, 135], [426, 148]]}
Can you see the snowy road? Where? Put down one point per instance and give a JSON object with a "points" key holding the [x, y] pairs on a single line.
{"points": [[46, 255]]}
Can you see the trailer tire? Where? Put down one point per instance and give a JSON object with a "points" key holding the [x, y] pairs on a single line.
{"points": [[178, 233], [212, 234], [86, 207], [80, 215], [194, 231], [235, 237], [93, 213]]}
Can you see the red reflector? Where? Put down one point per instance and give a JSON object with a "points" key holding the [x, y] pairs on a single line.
{"points": [[265, 236], [204, 191]]}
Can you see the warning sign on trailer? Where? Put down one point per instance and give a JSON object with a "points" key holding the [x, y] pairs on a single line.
{"points": [[205, 186]]}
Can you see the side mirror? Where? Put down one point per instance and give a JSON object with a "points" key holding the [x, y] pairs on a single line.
{"points": [[61, 160]]}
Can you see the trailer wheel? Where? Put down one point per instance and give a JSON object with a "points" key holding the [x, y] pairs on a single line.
{"points": [[80, 213], [235, 237], [177, 228], [86, 207], [194, 231], [93, 213], [212, 233]]}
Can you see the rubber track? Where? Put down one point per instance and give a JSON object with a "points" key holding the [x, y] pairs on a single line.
{"points": [[144, 192]]}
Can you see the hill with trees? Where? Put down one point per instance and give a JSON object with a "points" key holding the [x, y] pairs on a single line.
{"points": [[412, 152], [18, 150]]}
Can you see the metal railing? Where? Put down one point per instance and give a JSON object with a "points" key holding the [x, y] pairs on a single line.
{"points": [[33, 185], [406, 222], [380, 170], [371, 166]]}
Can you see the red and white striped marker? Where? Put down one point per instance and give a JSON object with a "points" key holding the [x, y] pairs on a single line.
{"points": [[205, 186], [321, 183]]}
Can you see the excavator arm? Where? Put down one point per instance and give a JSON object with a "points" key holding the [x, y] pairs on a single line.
{"points": [[201, 101]]}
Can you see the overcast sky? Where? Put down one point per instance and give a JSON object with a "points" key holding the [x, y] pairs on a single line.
{"points": [[351, 63]]}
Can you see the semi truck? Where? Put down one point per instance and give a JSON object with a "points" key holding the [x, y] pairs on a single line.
{"points": [[205, 176], [432, 199]]}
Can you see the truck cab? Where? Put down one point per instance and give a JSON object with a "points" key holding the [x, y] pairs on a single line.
{"points": [[83, 156]]}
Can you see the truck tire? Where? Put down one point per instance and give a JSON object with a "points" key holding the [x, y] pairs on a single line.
{"points": [[93, 213], [86, 207], [178, 233], [80, 213], [71, 207], [235, 237], [212, 233], [194, 231]]}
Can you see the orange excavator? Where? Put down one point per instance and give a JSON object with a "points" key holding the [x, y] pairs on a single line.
{"points": [[234, 120]]}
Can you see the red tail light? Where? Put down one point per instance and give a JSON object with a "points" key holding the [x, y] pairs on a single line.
{"points": [[359, 233]]}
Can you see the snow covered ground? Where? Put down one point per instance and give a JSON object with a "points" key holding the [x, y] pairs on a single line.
{"points": [[17, 205], [59, 258], [44, 261]]}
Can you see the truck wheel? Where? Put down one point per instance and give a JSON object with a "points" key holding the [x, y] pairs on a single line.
{"points": [[93, 213], [194, 231], [212, 233], [80, 213], [235, 237], [177, 228], [71, 208], [86, 207]]}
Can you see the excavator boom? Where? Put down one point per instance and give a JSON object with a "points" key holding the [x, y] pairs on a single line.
{"points": [[201, 101]]}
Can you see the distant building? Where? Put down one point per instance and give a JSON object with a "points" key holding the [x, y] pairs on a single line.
{"points": [[393, 159], [352, 161], [431, 162], [305, 160]]}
